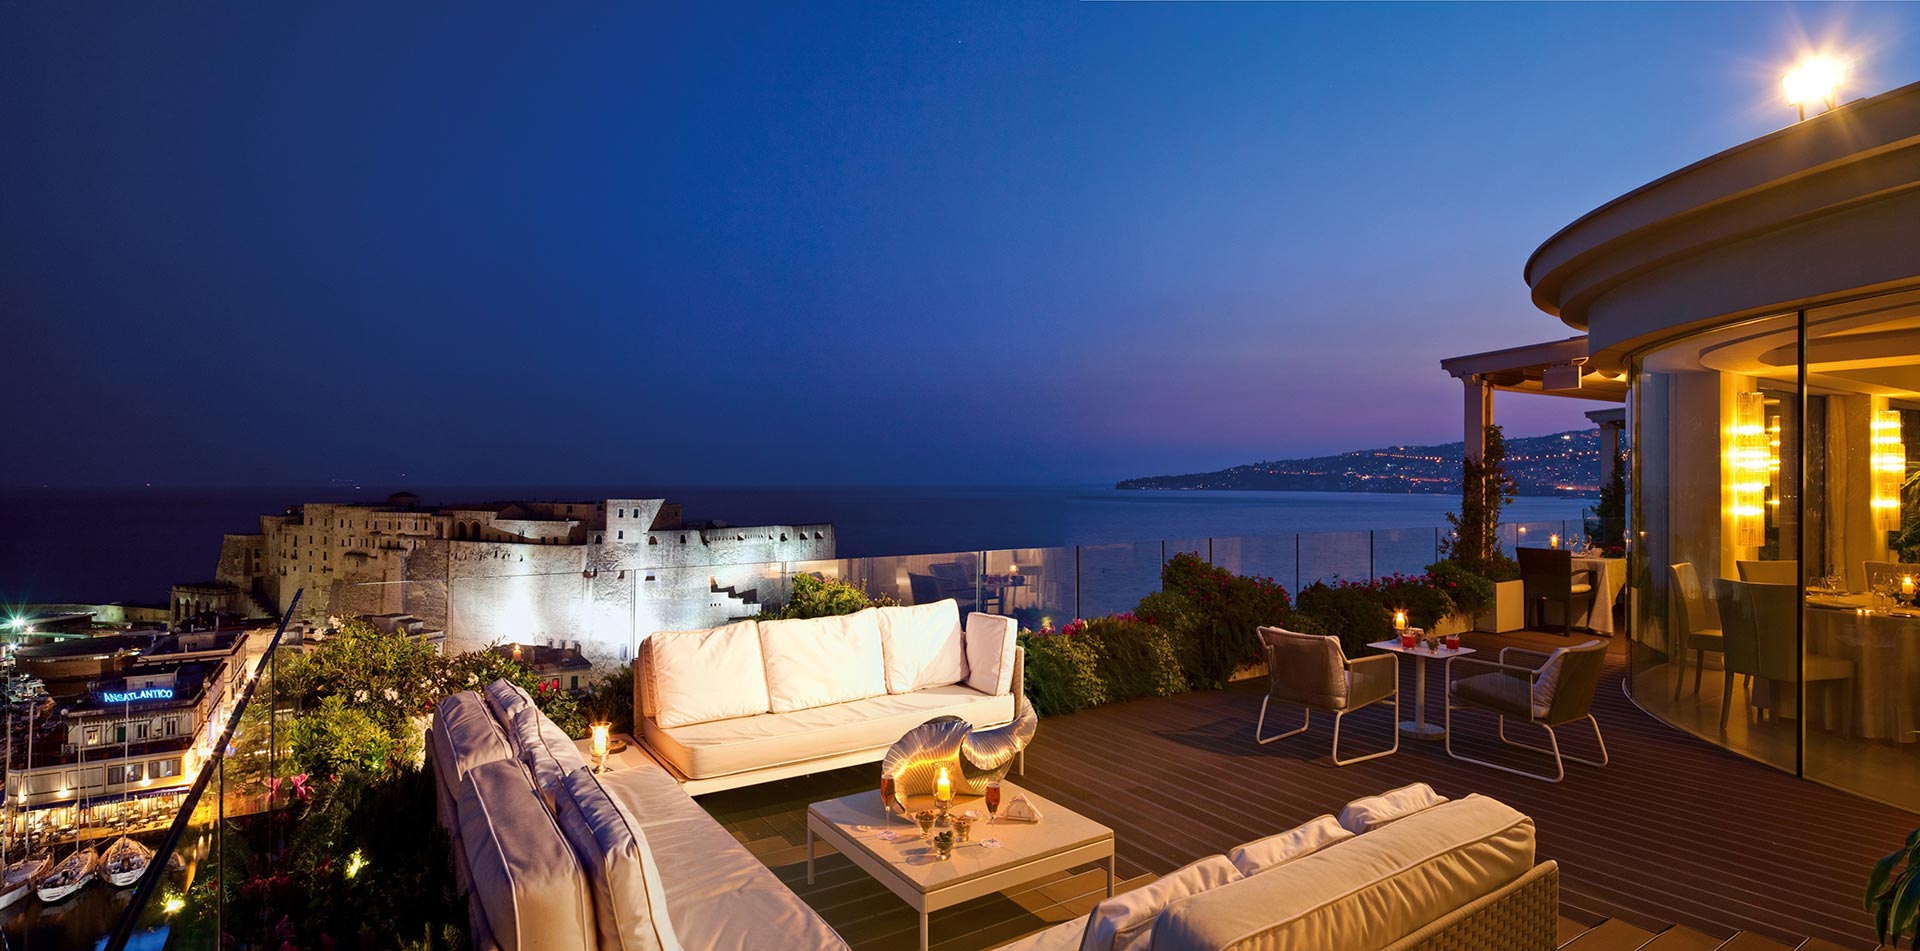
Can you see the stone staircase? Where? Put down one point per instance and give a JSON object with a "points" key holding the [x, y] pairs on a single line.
{"points": [[1612, 934]]}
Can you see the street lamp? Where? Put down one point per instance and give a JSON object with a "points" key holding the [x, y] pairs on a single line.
{"points": [[1816, 79]]}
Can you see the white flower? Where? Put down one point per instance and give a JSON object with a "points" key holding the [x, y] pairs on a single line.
{"points": [[473, 678], [392, 695], [359, 696]]}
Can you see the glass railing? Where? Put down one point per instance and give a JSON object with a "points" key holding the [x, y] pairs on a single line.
{"points": [[219, 841]]}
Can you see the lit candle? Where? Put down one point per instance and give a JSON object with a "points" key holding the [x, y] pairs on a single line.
{"points": [[516, 651], [1553, 541], [1906, 587], [943, 787], [600, 740], [1399, 620]]}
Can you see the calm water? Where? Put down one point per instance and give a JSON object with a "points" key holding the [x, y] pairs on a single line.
{"points": [[131, 544]]}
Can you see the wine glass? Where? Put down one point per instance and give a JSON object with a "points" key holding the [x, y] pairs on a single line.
{"points": [[886, 806], [993, 799]]}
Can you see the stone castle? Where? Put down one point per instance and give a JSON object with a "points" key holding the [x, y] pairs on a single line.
{"points": [[597, 575]]}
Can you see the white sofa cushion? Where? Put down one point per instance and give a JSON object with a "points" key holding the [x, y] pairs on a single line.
{"points": [[724, 747], [718, 894], [464, 736], [1125, 921], [1366, 892], [991, 640], [818, 661], [924, 646], [629, 901], [696, 676], [1372, 812], [530, 886], [548, 753], [1296, 843], [504, 698]]}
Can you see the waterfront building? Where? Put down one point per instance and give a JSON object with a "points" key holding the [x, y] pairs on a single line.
{"points": [[591, 576]]}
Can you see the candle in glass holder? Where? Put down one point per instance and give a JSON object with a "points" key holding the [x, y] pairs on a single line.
{"points": [[1399, 620], [1553, 541], [600, 740], [943, 787], [1906, 587]]}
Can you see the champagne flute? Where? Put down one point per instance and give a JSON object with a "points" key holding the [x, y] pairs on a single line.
{"points": [[886, 805], [993, 799]]}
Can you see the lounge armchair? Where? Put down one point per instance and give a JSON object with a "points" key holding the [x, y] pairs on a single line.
{"points": [[1695, 635], [1313, 671], [1556, 692], [1547, 574]]}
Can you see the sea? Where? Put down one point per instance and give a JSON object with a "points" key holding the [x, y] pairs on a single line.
{"points": [[131, 544]]}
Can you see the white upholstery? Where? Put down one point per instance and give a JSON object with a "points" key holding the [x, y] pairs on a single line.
{"points": [[532, 890], [629, 901], [1065, 936], [1366, 892], [923, 645], [503, 698], [464, 736], [696, 676], [719, 895], [723, 747], [1580, 587], [1372, 812], [818, 661], [546, 751], [991, 640], [1296, 843], [1125, 921]]}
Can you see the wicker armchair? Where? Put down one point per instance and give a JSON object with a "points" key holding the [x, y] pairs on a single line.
{"points": [[1558, 691], [1314, 672]]}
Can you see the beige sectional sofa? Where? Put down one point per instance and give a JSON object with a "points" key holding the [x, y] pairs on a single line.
{"points": [[1419, 875], [755, 701], [554, 856]]}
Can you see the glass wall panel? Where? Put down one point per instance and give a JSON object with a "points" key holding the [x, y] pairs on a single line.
{"points": [[1034, 586], [1862, 548], [1336, 556], [1405, 550], [1113, 578], [1261, 556], [1714, 558]]}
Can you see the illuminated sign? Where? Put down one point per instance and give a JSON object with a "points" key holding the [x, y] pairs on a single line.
{"points": [[135, 696]]}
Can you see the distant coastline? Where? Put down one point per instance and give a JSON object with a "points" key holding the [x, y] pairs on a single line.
{"points": [[1565, 464]]}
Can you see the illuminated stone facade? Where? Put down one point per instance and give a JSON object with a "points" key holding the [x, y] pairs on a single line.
{"points": [[600, 575]]}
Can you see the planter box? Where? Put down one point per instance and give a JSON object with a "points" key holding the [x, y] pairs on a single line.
{"points": [[1509, 611], [1453, 624]]}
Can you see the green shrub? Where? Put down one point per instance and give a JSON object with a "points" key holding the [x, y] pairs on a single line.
{"points": [[1469, 593], [1349, 612], [611, 700], [1136, 659], [338, 739], [1425, 602], [1063, 672], [1214, 615], [823, 597]]}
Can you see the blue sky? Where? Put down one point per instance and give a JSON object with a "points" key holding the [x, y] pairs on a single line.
{"points": [[864, 244]]}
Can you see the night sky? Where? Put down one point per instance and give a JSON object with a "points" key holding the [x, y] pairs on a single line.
{"points": [[283, 243]]}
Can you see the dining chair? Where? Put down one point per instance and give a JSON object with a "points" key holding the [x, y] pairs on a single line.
{"points": [[1758, 623], [1695, 633], [1548, 690], [1548, 575], [1770, 572], [1314, 672]]}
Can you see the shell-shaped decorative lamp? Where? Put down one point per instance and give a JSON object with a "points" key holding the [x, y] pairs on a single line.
{"points": [[972, 757]]}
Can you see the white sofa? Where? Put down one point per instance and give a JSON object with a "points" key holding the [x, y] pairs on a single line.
{"points": [[755, 701], [553, 856], [1460, 874]]}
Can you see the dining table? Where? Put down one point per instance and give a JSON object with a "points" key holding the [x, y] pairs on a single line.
{"points": [[1609, 578], [1883, 642]]}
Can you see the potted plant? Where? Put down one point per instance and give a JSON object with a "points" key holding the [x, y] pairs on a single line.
{"points": [[1485, 489], [1894, 896]]}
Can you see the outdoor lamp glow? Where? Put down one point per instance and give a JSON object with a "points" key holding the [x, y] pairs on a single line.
{"points": [[1816, 79]]}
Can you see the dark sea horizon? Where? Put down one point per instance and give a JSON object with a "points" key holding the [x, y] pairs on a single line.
{"points": [[130, 544]]}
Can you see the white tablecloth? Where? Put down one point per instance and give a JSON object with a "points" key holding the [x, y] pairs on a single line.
{"points": [[1885, 651], [1609, 578]]}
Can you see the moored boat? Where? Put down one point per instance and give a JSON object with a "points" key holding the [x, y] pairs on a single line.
{"points": [[72, 874], [17, 880], [125, 861]]}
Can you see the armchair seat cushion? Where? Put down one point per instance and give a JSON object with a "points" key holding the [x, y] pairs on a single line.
{"points": [[1582, 588], [724, 747], [1499, 692], [1707, 639]]}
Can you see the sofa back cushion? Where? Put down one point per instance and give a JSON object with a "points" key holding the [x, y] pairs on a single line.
{"points": [[1296, 843], [818, 661], [1372, 812], [464, 736], [504, 698], [1366, 892], [546, 751], [696, 676], [1125, 921], [629, 903], [923, 645], [526, 878], [991, 641]]}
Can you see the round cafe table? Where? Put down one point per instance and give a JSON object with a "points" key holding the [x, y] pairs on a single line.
{"points": [[1418, 728]]}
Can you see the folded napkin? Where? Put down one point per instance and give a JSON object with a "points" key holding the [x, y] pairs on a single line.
{"points": [[1021, 809]]}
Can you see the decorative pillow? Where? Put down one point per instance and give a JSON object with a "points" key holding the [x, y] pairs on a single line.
{"points": [[466, 736], [1548, 682], [923, 646], [1298, 842], [629, 902], [548, 753], [504, 698], [696, 676], [1125, 921], [990, 643], [1376, 811], [818, 661]]}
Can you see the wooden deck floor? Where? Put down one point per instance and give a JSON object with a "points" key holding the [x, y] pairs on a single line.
{"points": [[1673, 831]]}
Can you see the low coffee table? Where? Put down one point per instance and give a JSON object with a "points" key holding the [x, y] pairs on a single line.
{"points": [[1061, 840], [1418, 728]]}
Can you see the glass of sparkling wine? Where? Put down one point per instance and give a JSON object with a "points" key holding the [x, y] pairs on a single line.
{"points": [[886, 806], [993, 799]]}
